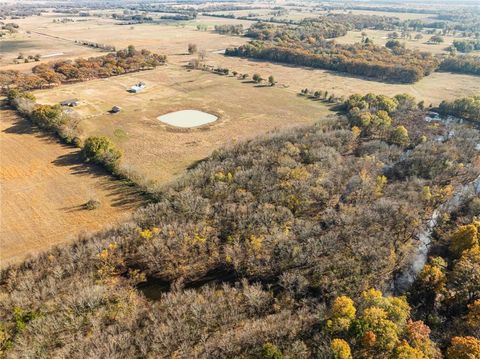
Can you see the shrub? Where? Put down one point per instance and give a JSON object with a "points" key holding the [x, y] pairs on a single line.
{"points": [[92, 204], [270, 351], [192, 48]]}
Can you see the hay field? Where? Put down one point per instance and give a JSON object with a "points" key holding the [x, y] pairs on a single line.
{"points": [[432, 89], [43, 186], [34, 37], [170, 38], [159, 152]]}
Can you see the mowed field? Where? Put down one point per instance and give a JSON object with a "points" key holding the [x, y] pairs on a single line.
{"points": [[432, 89], [43, 187], [158, 152]]}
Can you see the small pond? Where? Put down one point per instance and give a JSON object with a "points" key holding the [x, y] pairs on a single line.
{"points": [[187, 118]]}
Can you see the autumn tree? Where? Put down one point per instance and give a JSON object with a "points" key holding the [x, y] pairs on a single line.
{"points": [[271, 351], [464, 348], [473, 316], [48, 116], [341, 349], [343, 312], [465, 277], [465, 237]]}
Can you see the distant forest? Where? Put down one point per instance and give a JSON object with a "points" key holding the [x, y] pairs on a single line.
{"points": [[60, 72], [367, 60]]}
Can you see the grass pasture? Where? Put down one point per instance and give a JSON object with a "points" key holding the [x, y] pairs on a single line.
{"points": [[43, 189], [158, 152], [379, 37]]}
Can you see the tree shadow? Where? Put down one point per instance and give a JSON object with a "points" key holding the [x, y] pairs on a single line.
{"points": [[22, 126], [196, 163], [71, 209], [122, 193]]}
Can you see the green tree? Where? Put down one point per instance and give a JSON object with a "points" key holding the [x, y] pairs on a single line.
{"points": [[257, 78], [101, 150], [271, 80], [400, 136], [271, 351], [48, 116]]}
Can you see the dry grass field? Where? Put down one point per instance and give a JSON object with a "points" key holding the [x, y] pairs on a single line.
{"points": [[159, 152], [379, 37], [432, 89], [172, 40], [43, 187], [34, 38]]}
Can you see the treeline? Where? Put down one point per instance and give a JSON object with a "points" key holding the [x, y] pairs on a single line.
{"points": [[466, 45], [462, 64], [179, 17], [308, 29], [61, 72], [319, 28], [257, 251], [359, 59], [96, 45], [467, 107], [53, 119], [229, 29], [8, 28]]}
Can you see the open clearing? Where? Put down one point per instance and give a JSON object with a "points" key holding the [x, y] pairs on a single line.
{"points": [[432, 89], [43, 187], [158, 152]]}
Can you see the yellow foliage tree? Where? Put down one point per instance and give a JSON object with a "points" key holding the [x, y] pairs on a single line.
{"points": [[433, 275], [386, 332], [343, 312], [341, 349], [405, 351], [380, 184], [464, 348], [399, 136], [465, 237]]}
